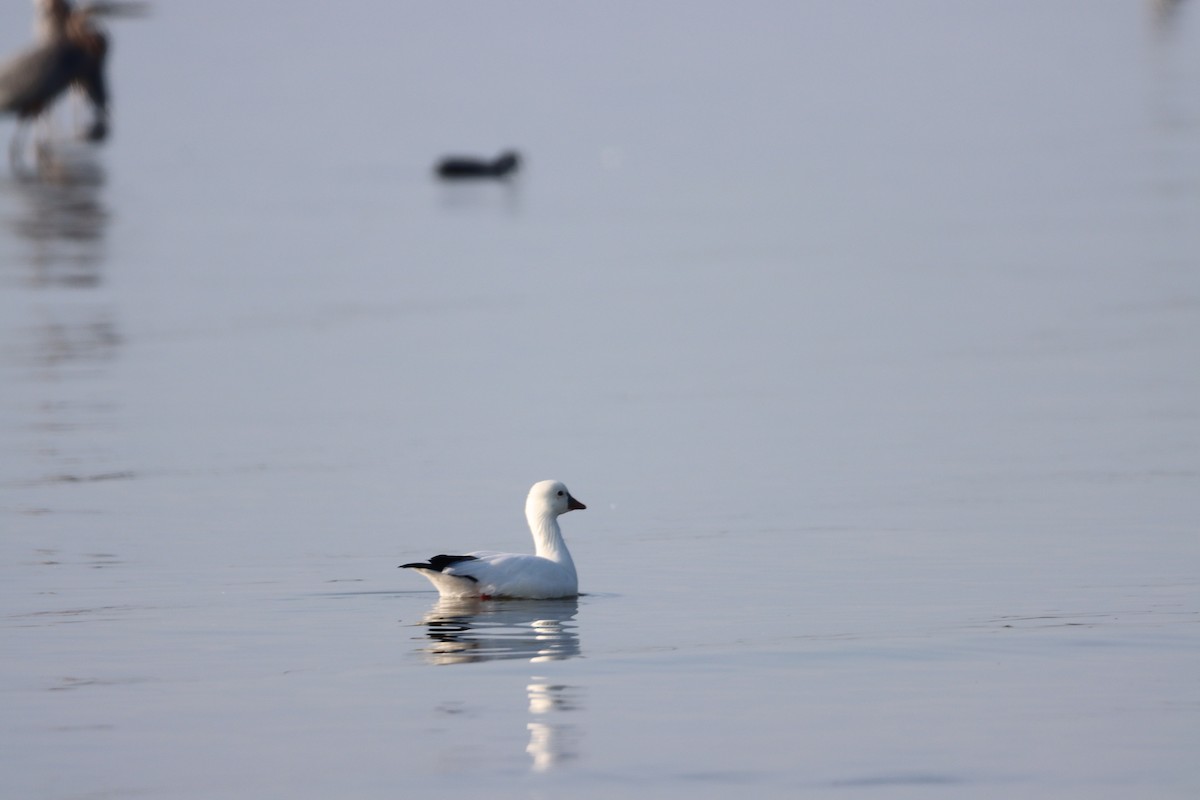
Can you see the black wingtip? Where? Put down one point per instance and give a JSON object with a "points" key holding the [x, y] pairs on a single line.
{"points": [[437, 563]]}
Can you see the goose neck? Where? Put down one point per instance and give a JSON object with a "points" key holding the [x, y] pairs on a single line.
{"points": [[547, 537]]}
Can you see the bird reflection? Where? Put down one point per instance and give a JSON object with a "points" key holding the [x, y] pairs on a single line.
{"points": [[469, 630], [551, 742], [61, 218]]}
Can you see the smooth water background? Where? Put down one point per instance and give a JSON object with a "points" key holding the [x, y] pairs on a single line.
{"points": [[869, 332]]}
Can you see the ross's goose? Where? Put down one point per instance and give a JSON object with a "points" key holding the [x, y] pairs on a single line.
{"points": [[548, 573]]}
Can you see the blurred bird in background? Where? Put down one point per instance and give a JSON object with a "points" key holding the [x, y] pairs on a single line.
{"points": [[458, 167], [70, 49]]}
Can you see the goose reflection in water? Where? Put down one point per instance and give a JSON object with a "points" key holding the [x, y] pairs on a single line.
{"points": [[551, 741], [469, 630]]}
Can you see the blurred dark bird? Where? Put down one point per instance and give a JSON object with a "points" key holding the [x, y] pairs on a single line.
{"points": [[1166, 12], [70, 50], [462, 167]]}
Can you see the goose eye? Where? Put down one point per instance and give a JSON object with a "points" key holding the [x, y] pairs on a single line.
{"points": [[560, 493]]}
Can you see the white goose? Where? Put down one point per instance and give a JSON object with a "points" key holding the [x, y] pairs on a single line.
{"points": [[548, 573]]}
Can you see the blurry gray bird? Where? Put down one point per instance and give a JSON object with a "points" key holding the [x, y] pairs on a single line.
{"points": [[70, 50]]}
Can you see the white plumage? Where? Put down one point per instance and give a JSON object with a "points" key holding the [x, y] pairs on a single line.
{"points": [[548, 573]]}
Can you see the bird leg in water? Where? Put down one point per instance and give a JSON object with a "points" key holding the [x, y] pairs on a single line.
{"points": [[17, 144], [90, 76]]}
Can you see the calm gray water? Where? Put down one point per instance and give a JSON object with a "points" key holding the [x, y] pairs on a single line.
{"points": [[869, 333]]}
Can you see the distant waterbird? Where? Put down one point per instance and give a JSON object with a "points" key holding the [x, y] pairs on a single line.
{"points": [[456, 167], [70, 49]]}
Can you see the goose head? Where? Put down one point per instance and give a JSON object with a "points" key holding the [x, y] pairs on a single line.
{"points": [[550, 498]]}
